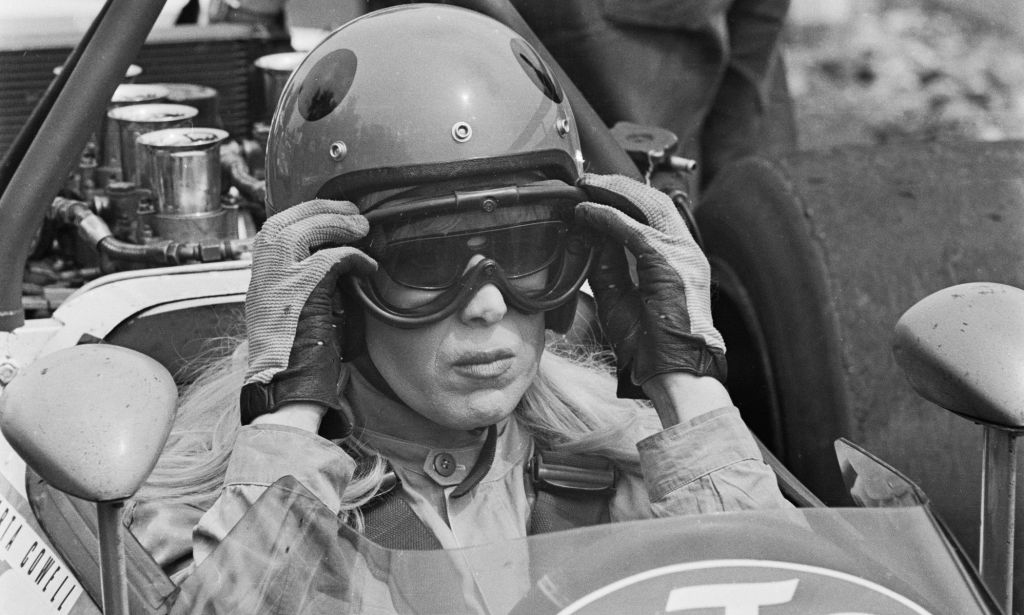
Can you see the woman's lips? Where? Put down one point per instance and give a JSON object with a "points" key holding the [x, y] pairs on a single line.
{"points": [[484, 364]]}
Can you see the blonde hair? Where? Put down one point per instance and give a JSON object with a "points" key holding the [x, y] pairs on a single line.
{"points": [[571, 406]]}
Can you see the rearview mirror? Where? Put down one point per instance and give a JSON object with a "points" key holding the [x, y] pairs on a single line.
{"points": [[92, 421], [962, 348]]}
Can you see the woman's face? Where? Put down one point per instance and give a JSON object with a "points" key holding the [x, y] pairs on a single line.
{"points": [[467, 371]]}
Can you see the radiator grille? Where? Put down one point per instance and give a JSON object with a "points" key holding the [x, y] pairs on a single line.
{"points": [[218, 57]]}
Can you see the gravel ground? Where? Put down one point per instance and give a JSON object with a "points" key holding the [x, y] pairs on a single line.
{"points": [[906, 70]]}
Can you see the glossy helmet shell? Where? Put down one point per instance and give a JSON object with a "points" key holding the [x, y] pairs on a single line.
{"points": [[412, 95]]}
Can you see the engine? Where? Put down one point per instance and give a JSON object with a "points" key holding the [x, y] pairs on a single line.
{"points": [[173, 172]]}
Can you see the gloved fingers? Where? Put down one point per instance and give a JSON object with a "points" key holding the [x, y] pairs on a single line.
{"points": [[324, 297], [648, 245], [307, 209], [294, 238], [613, 223], [308, 235], [639, 200], [289, 226], [340, 260]]}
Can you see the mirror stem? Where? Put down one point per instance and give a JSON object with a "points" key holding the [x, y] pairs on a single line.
{"points": [[113, 573], [998, 503]]}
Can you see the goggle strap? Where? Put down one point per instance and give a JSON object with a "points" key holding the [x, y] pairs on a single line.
{"points": [[485, 200]]}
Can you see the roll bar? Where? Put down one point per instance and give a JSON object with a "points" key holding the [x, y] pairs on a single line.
{"points": [[117, 36]]}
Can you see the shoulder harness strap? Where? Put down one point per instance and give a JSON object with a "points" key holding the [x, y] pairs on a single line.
{"points": [[571, 491], [389, 521]]}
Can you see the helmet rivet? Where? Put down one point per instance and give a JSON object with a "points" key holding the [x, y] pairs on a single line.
{"points": [[338, 150], [562, 126], [489, 205], [462, 132], [489, 269]]}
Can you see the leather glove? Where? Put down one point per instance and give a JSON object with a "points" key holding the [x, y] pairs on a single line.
{"points": [[663, 323], [294, 313]]}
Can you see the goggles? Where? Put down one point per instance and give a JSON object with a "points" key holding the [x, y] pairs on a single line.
{"points": [[435, 253]]}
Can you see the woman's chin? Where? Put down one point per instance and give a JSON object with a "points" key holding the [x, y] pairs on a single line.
{"points": [[480, 410]]}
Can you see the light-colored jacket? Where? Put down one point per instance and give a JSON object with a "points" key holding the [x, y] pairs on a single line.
{"points": [[710, 464]]}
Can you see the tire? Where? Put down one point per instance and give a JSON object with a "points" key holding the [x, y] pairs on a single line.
{"points": [[815, 256], [771, 302]]}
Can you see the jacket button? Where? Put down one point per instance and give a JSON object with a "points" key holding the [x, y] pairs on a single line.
{"points": [[444, 464]]}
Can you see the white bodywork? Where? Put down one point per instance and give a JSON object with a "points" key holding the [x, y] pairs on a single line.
{"points": [[94, 310]]}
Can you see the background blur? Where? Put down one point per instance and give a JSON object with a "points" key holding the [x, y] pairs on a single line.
{"points": [[861, 71], [882, 71]]}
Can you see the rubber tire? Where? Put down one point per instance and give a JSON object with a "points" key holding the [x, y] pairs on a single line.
{"points": [[816, 255], [770, 301]]}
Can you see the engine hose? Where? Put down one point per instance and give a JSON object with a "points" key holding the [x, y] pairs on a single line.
{"points": [[91, 228], [95, 232], [167, 252], [233, 162]]}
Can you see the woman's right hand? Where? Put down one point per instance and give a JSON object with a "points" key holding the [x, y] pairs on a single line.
{"points": [[294, 313]]}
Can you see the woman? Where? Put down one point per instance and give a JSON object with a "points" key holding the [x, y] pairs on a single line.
{"points": [[430, 221]]}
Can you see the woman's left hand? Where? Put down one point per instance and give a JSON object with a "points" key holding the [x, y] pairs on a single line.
{"points": [[662, 324]]}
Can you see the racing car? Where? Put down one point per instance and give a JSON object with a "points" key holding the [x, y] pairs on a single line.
{"points": [[159, 287]]}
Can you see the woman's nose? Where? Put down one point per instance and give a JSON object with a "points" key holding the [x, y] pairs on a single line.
{"points": [[486, 306]]}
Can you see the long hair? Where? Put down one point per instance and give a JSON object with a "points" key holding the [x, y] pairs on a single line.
{"points": [[571, 406]]}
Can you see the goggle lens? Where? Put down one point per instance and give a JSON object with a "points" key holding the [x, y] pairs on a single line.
{"points": [[436, 252], [437, 263]]}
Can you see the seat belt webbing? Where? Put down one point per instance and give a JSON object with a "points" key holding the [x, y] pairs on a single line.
{"points": [[571, 491]]}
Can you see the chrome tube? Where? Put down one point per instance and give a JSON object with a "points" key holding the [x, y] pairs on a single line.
{"points": [[998, 513], [133, 121], [204, 99], [113, 571], [275, 69], [108, 140], [182, 168]]}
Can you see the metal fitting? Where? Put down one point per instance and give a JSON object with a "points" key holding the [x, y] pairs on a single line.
{"points": [[678, 163], [338, 150], [8, 370], [462, 132]]}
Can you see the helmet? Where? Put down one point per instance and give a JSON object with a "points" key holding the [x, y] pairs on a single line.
{"points": [[436, 112], [412, 95]]}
